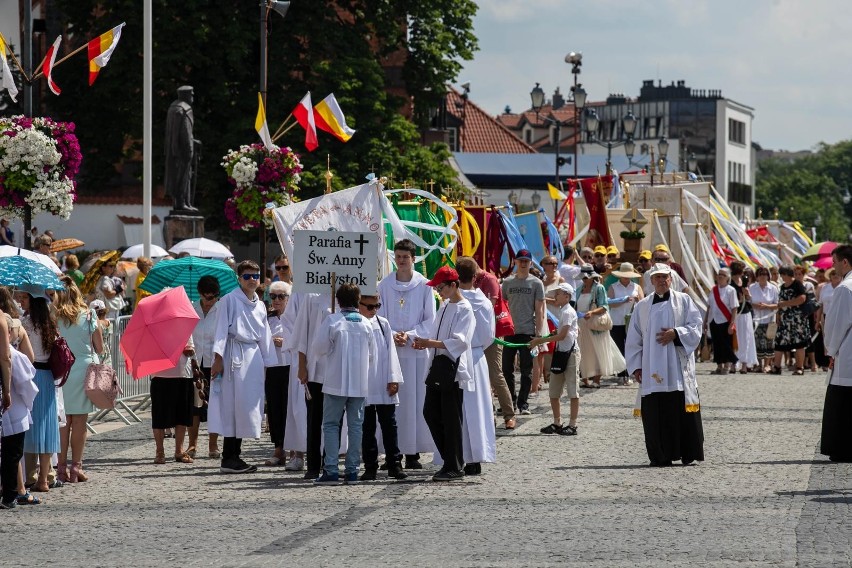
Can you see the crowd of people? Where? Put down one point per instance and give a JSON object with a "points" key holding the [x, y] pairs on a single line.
{"points": [[417, 367]]}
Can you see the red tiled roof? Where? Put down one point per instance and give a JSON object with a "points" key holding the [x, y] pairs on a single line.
{"points": [[482, 132]]}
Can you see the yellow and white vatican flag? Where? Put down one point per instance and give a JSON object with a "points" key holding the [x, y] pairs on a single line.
{"points": [[6, 80], [261, 126]]}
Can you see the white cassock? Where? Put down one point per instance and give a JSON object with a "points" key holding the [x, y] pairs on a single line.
{"points": [[455, 324], [243, 340], [346, 343], [386, 368], [311, 311], [665, 368], [838, 332], [17, 418], [296, 434], [410, 307], [479, 440]]}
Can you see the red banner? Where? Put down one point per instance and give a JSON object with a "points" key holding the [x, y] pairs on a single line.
{"points": [[595, 190]]}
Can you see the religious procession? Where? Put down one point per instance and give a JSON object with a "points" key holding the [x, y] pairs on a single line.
{"points": [[400, 327]]}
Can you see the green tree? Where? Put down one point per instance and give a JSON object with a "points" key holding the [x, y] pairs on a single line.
{"points": [[813, 187], [323, 47]]}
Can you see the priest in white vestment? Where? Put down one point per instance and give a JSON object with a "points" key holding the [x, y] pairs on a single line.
{"points": [[836, 440], [409, 305], [479, 441], [662, 337], [242, 348], [452, 331]]}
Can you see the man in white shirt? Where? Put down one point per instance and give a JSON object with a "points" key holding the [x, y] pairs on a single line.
{"points": [[836, 442]]}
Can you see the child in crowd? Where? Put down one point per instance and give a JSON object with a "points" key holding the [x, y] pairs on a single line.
{"points": [[382, 397], [343, 340], [569, 378]]}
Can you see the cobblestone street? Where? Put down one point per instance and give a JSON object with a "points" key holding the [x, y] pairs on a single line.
{"points": [[762, 497]]}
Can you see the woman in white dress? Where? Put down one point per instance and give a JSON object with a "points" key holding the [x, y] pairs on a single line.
{"points": [[621, 297], [551, 280], [599, 354], [746, 346]]}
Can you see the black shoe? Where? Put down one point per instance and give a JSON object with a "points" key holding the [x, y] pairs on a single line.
{"points": [[448, 475], [311, 474], [473, 469], [661, 464], [236, 465], [384, 466], [368, 475], [567, 430], [413, 464], [56, 484], [551, 429], [395, 471]]}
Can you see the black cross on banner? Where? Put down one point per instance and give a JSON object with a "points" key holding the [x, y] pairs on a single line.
{"points": [[361, 241]]}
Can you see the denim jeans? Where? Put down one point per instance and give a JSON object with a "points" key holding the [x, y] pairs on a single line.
{"points": [[332, 415]]}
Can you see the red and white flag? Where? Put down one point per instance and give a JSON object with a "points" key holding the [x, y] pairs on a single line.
{"points": [[47, 66], [304, 113]]}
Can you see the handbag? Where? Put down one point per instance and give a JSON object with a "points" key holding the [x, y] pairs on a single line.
{"points": [[811, 305], [101, 382], [771, 330], [442, 371], [61, 360], [559, 361], [600, 322], [504, 325]]}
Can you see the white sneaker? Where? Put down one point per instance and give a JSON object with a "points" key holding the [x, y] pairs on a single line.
{"points": [[295, 464], [627, 381]]}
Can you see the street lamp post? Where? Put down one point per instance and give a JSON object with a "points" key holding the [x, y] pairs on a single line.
{"points": [[575, 59], [629, 125], [537, 100]]}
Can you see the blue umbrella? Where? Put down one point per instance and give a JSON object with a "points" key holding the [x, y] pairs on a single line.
{"points": [[186, 272], [18, 270]]}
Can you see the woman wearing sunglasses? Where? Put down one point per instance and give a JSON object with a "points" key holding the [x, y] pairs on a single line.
{"points": [[277, 383]]}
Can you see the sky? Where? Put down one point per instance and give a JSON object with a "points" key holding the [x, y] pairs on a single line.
{"points": [[789, 60]]}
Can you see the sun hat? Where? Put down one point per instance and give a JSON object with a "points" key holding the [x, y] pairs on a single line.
{"points": [[626, 271], [589, 272], [97, 305]]}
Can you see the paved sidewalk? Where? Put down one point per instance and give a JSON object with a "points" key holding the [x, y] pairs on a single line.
{"points": [[763, 497]]}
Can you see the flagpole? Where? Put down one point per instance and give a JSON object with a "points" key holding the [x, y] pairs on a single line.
{"points": [[147, 119], [288, 129], [75, 52], [283, 124], [20, 67], [27, 55]]}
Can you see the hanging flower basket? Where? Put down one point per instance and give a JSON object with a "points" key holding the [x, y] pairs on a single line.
{"points": [[39, 161], [259, 177]]}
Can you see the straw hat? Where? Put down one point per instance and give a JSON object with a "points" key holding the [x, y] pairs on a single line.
{"points": [[626, 271]]}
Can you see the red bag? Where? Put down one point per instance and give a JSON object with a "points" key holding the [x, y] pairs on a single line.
{"points": [[504, 324], [61, 360]]}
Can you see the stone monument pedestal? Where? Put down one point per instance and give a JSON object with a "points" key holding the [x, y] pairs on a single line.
{"points": [[178, 226]]}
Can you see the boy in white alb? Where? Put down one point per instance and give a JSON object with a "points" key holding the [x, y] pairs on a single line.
{"points": [[345, 340]]}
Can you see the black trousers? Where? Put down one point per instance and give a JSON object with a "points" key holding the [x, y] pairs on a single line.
{"points": [[619, 336], [231, 448], [11, 452], [277, 387], [442, 410], [314, 454], [526, 369], [386, 414], [671, 433]]}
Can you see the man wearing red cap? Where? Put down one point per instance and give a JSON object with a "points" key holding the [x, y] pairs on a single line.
{"points": [[452, 329]]}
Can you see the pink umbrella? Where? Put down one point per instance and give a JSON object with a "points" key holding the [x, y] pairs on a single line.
{"points": [[824, 262], [157, 332]]}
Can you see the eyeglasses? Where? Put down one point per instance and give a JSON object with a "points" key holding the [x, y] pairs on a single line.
{"points": [[210, 296], [597, 254], [440, 287], [250, 276], [549, 263], [278, 296], [282, 267], [664, 259], [371, 306]]}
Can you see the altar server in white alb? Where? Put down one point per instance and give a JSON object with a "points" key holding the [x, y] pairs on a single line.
{"points": [[409, 305], [312, 311], [296, 434], [242, 348], [479, 441], [452, 331], [662, 337], [382, 398], [836, 440], [345, 340]]}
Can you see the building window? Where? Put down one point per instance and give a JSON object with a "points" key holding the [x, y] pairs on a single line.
{"points": [[453, 138], [528, 136], [736, 131]]}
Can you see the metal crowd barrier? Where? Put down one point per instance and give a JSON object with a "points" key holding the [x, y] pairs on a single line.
{"points": [[135, 394]]}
